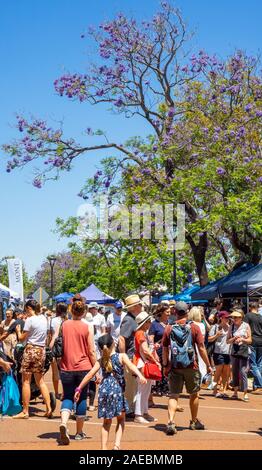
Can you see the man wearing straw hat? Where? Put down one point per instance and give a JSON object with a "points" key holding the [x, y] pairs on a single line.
{"points": [[134, 306]]}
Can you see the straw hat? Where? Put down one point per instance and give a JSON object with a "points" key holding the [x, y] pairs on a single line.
{"points": [[132, 300], [236, 314], [142, 318]]}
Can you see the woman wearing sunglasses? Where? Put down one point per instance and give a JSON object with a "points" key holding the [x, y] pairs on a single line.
{"points": [[239, 336]]}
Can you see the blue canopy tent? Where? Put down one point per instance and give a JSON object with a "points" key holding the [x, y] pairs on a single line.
{"points": [[214, 289], [186, 295], [64, 297], [93, 294], [245, 284]]}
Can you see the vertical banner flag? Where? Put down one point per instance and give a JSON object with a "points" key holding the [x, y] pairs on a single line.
{"points": [[15, 275]]}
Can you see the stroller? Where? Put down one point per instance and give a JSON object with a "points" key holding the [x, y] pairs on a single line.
{"points": [[35, 391]]}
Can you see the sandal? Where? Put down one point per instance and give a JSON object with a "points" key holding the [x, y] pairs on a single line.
{"points": [[21, 415], [234, 397], [246, 399], [116, 447], [48, 415]]}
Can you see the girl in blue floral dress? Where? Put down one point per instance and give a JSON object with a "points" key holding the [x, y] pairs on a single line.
{"points": [[111, 400]]}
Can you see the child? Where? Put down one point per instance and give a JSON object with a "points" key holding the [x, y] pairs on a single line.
{"points": [[111, 400]]}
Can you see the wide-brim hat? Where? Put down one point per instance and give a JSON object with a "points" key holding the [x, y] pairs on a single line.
{"points": [[142, 318], [93, 305], [132, 300], [236, 314]]}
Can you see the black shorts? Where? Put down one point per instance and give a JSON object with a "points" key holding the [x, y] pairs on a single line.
{"points": [[221, 359]]}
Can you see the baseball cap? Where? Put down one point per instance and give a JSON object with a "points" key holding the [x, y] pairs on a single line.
{"points": [[118, 305], [223, 314], [181, 307]]}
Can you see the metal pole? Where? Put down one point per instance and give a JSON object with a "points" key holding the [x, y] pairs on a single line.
{"points": [[174, 270], [52, 284]]}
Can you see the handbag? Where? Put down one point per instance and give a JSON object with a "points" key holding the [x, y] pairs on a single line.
{"points": [[239, 350], [57, 349], [211, 346], [152, 372]]}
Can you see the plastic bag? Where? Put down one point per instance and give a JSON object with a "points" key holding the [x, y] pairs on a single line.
{"points": [[9, 396]]}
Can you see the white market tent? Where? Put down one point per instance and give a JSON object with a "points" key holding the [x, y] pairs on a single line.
{"points": [[11, 293]]}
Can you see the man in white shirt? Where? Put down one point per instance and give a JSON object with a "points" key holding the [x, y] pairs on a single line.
{"points": [[114, 321]]}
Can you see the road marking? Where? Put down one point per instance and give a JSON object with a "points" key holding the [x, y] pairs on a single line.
{"points": [[226, 408], [56, 421]]}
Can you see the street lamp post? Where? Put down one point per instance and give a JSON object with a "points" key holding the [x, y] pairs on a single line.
{"points": [[52, 260], [174, 270]]}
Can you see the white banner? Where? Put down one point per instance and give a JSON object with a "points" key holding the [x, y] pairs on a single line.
{"points": [[15, 275]]}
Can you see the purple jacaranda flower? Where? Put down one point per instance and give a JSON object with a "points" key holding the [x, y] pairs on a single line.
{"points": [[221, 171], [107, 183], [37, 183], [100, 92], [126, 274], [247, 179], [260, 179], [259, 113], [196, 190], [248, 107], [171, 112], [208, 184], [143, 269], [119, 103], [155, 147]]}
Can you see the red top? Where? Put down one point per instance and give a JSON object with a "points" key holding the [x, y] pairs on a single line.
{"points": [[140, 338], [75, 346], [197, 339]]}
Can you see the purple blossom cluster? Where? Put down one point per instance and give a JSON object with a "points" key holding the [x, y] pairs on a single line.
{"points": [[72, 86]]}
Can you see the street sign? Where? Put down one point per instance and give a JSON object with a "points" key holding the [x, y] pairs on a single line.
{"points": [[40, 295]]}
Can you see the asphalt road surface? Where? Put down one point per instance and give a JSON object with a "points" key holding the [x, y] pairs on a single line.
{"points": [[229, 424]]}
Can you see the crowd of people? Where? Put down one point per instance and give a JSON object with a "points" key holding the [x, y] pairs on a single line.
{"points": [[126, 357]]}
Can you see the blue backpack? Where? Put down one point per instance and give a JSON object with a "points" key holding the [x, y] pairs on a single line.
{"points": [[9, 396], [182, 350]]}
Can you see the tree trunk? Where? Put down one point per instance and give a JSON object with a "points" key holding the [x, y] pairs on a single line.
{"points": [[199, 253]]}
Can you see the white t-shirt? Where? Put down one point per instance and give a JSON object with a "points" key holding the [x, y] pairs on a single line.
{"points": [[113, 323], [98, 323], [55, 323], [37, 330]]}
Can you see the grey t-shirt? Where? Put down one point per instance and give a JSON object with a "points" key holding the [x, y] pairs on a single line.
{"points": [[127, 330], [221, 346], [37, 330]]}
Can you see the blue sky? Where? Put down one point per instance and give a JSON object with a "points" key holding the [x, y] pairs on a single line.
{"points": [[39, 41]]}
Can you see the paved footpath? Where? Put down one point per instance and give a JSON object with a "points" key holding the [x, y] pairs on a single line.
{"points": [[229, 425]]}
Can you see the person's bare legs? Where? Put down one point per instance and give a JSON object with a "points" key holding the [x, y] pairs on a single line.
{"points": [[26, 394], [194, 404], [172, 407], [79, 425], [225, 377], [217, 376], [120, 427], [55, 376], [105, 433], [39, 378]]}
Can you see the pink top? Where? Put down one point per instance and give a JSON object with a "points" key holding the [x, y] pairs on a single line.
{"points": [[75, 346]]}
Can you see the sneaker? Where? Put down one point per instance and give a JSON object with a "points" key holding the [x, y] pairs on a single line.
{"points": [[171, 429], [64, 436], [80, 436], [196, 425], [150, 418], [91, 408], [140, 420]]}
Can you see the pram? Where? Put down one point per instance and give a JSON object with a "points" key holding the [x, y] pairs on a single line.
{"points": [[35, 391]]}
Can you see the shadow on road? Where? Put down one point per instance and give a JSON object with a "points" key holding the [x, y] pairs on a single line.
{"points": [[162, 427]]}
